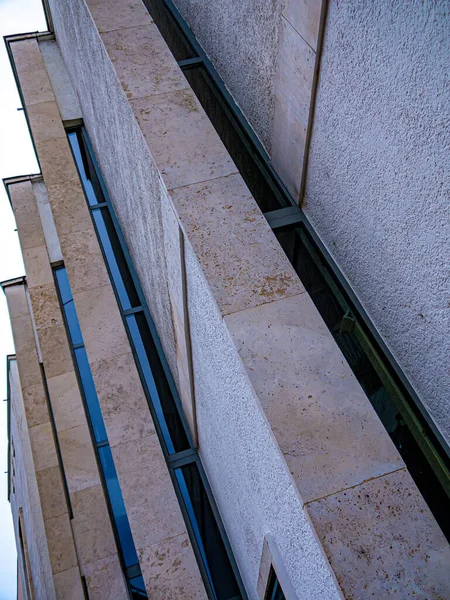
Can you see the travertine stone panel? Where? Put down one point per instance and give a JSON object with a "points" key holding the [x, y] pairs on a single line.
{"points": [[295, 74], [183, 141], [30, 373], [324, 423], [51, 492], [110, 15], [91, 525], [46, 311], [30, 234], [382, 541], [21, 198], [240, 256], [304, 16], [147, 513], [28, 63], [69, 207], [122, 399], [37, 266], [101, 324], [35, 404], [47, 221], [60, 543], [56, 160], [43, 446], [167, 576], [67, 404], [144, 64], [46, 121], [84, 262], [55, 351], [104, 579], [17, 301], [80, 465], [68, 585]]}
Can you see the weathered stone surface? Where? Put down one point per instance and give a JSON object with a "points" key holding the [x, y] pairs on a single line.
{"points": [[104, 579], [21, 197], [56, 160], [382, 541], [37, 266], [47, 221], [30, 68], [51, 492], [110, 15], [29, 229], [324, 423], [66, 401], [152, 507], [304, 16], [170, 570], [45, 121], [60, 543], [35, 404], [91, 525], [45, 304], [80, 465], [124, 405], [143, 62], [55, 351], [43, 446], [240, 256], [181, 138], [68, 585], [69, 207]]}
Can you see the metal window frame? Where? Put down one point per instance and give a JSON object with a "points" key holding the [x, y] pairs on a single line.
{"points": [[189, 455]]}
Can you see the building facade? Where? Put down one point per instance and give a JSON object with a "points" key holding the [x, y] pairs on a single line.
{"points": [[222, 388]]}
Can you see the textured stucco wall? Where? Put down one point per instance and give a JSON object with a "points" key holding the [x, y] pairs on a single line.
{"points": [[25, 495], [378, 178], [241, 39]]}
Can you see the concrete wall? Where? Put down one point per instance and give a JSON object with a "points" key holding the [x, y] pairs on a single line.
{"points": [[25, 496], [378, 178]]}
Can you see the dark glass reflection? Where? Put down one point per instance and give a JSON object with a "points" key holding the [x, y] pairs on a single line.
{"points": [[306, 262], [137, 588], [83, 168], [152, 371], [118, 508], [207, 534], [274, 591], [90, 394]]}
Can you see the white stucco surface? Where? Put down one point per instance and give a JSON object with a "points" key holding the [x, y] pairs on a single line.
{"points": [[378, 180]]}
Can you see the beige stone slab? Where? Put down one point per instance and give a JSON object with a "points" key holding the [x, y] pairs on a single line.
{"points": [[382, 541], [45, 121], [29, 369], [45, 303], [80, 465], [150, 501], [29, 229], [181, 138], [304, 16], [122, 399], [101, 324], [43, 446], [104, 579], [69, 207], [325, 425], [35, 404], [22, 198], [239, 254], [92, 529], [84, 262], [51, 492], [293, 87], [66, 400], [37, 266], [17, 301], [170, 570], [30, 68], [110, 15], [55, 351], [56, 160], [68, 585], [143, 62], [60, 544], [23, 334]]}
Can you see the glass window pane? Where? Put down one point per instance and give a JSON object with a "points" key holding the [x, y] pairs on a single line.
{"points": [[90, 394], [112, 249], [137, 587], [82, 168], [166, 411], [118, 508], [72, 323], [63, 285], [207, 533], [274, 591]]}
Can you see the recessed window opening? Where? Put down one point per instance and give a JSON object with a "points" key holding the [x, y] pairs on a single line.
{"points": [[209, 541], [420, 444], [274, 591], [121, 526]]}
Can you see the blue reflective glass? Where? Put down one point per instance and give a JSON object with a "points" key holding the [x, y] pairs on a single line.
{"points": [[89, 190], [118, 508], [90, 394], [137, 587], [149, 379], [72, 323], [111, 259], [275, 592], [63, 285]]}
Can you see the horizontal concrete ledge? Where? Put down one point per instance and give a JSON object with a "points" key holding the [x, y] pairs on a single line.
{"points": [[21, 178], [16, 281], [18, 37]]}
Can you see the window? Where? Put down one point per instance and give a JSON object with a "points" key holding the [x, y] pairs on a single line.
{"points": [[119, 519], [274, 591], [208, 538]]}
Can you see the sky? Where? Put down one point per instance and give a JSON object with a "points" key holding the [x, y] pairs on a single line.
{"points": [[16, 158]]}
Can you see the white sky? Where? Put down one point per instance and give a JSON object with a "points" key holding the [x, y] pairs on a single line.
{"points": [[16, 158]]}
